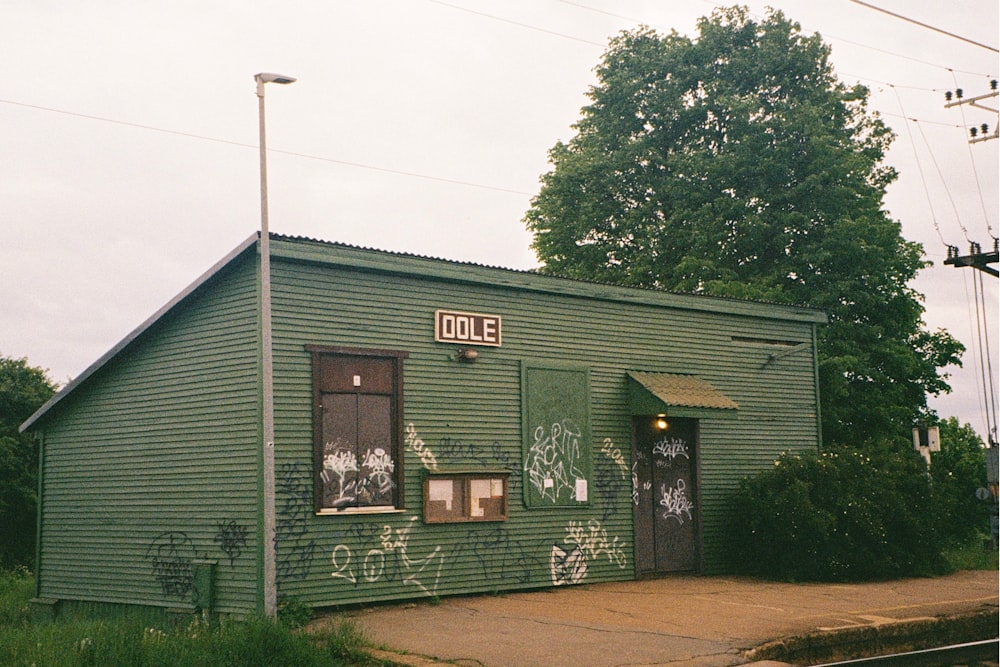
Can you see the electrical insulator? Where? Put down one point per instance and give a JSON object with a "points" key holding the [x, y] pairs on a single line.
{"points": [[947, 95], [973, 132], [993, 84], [958, 93], [984, 128]]}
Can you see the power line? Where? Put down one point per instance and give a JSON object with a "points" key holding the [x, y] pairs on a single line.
{"points": [[189, 135], [519, 24], [920, 169], [925, 25]]}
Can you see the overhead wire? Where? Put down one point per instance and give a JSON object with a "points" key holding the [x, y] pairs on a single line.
{"points": [[951, 200], [925, 25], [920, 169], [519, 24], [190, 135], [985, 358]]}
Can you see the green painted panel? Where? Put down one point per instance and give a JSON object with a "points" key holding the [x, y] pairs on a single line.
{"points": [[557, 450]]}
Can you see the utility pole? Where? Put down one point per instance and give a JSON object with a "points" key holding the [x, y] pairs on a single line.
{"points": [[980, 132], [976, 258]]}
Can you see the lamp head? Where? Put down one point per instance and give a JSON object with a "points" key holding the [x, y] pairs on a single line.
{"points": [[268, 77]]}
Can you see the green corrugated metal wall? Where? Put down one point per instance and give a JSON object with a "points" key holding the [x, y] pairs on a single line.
{"points": [[153, 468], [469, 416], [153, 463]]}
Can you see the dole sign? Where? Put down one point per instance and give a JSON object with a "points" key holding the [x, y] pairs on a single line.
{"points": [[466, 328]]}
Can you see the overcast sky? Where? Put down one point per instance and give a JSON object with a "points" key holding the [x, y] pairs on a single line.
{"points": [[128, 134]]}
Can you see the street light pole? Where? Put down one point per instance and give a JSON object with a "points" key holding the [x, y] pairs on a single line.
{"points": [[267, 365]]}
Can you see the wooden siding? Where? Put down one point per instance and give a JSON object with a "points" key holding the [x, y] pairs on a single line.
{"points": [[150, 466], [469, 416]]}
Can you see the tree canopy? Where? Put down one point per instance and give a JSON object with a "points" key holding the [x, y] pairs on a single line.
{"points": [[736, 164], [23, 389]]}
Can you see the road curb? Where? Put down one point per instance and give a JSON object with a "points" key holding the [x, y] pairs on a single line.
{"points": [[880, 639]]}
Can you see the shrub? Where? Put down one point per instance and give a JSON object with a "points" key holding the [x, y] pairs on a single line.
{"points": [[957, 471], [837, 516]]}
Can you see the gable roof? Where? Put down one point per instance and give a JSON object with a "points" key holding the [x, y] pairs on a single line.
{"points": [[368, 259], [250, 242]]}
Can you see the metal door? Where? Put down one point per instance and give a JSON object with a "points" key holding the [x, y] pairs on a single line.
{"points": [[664, 494]]}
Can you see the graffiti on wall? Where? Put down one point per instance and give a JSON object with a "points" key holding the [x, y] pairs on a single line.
{"points": [[389, 560], [551, 461], [231, 538], [491, 455], [615, 454], [337, 465], [670, 449], [349, 478], [172, 556], [584, 544], [499, 558], [416, 445], [293, 546], [675, 502], [611, 481]]}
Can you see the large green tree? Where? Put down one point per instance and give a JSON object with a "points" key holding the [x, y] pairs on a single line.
{"points": [[23, 389], [735, 164]]}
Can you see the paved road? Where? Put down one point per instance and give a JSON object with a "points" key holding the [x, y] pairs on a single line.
{"points": [[683, 621]]}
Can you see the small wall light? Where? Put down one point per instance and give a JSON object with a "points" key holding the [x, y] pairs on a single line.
{"points": [[661, 422], [468, 354]]}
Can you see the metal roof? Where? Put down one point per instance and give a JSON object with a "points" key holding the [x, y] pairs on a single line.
{"points": [[686, 391]]}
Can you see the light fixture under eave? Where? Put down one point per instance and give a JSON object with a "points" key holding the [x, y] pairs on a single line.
{"points": [[468, 354], [661, 422]]}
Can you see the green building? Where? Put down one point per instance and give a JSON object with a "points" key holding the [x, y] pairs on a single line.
{"points": [[440, 428]]}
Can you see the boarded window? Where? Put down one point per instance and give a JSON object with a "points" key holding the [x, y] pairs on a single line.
{"points": [[356, 424], [557, 441]]}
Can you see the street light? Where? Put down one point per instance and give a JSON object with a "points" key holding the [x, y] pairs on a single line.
{"points": [[267, 362]]}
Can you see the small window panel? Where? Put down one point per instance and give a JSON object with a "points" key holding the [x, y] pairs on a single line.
{"points": [[464, 497]]}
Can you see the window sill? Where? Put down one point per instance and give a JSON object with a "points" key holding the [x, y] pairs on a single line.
{"points": [[355, 511]]}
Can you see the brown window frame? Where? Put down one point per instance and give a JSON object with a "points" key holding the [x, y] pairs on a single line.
{"points": [[318, 352], [464, 509]]}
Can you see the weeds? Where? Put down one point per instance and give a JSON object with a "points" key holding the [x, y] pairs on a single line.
{"points": [[978, 553], [127, 642]]}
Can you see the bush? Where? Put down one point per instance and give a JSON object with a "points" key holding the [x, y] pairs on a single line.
{"points": [[838, 516], [957, 471]]}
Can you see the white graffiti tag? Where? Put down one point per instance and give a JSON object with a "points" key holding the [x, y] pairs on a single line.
{"points": [[381, 466], [551, 461], [615, 455], [391, 561], [675, 502], [417, 445], [340, 463], [568, 567], [671, 449], [594, 542], [585, 543]]}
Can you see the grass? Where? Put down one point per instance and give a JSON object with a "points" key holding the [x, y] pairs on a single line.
{"points": [[127, 642], [977, 554]]}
